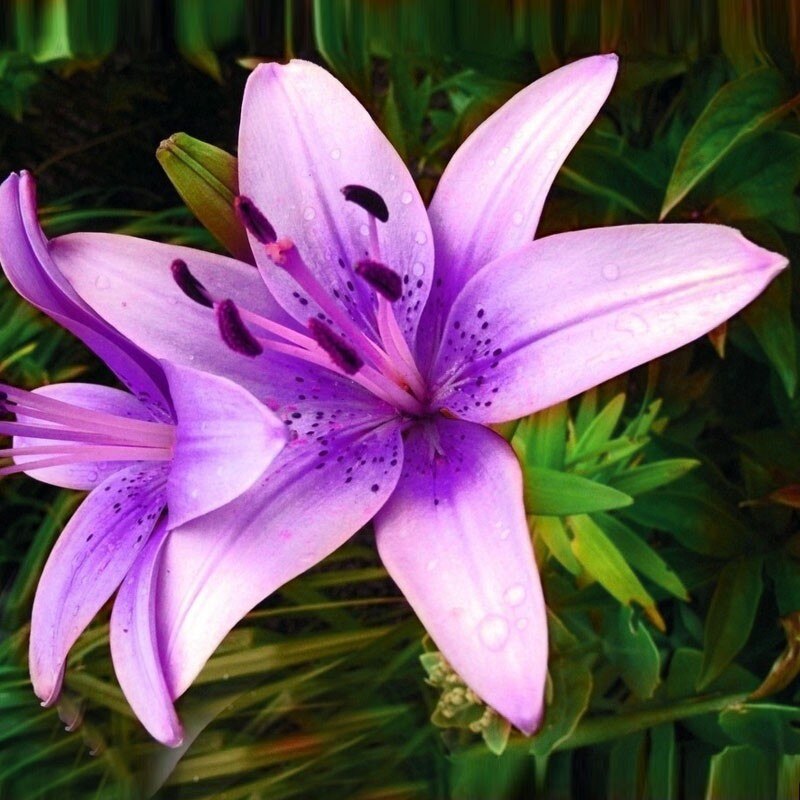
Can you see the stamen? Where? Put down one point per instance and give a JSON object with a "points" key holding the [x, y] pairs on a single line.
{"points": [[67, 455], [342, 355], [189, 285], [234, 332], [253, 220], [368, 199], [381, 279]]}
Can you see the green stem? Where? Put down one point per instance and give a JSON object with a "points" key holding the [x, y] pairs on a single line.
{"points": [[599, 729]]}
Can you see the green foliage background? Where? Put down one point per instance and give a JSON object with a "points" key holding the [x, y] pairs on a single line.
{"points": [[663, 505]]}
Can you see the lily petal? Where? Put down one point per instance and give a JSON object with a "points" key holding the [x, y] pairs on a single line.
{"points": [[490, 197], [91, 557], [134, 645], [311, 500], [455, 539], [224, 440], [303, 138], [570, 311], [28, 264], [93, 397]]}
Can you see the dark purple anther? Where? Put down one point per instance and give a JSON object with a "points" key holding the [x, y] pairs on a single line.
{"points": [[234, 332], [368, 199], [189, 285], [256, 223], [381, 279], [344, 356]]}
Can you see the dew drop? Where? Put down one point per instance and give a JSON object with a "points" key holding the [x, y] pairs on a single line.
{"points": [[491, 162], [493, 631], [92, 476], [632, 323], [432, 564], [102, 282], [420, 237], [517, 218], [611, 272], [364, 229], [515, 594], [418, 269], [336, 154], [406, 198], [309, 213]]}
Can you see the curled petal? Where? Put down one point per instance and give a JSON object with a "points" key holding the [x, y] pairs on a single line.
{"points": [[570, 311], [134, 645], [28, 263], [310, 501], [455, 539], [303, 139], [91, 557], [224, 440]]}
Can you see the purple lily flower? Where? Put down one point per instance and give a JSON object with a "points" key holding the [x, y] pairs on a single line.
{"points": [[181, 438], [388, 338]]}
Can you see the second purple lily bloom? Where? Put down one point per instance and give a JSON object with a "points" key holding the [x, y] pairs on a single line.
{"points": [[388, 338]]}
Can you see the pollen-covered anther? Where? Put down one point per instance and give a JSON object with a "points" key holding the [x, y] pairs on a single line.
{"points": [[381, 278], [254, 221], [341, 353], [368, 199], [234, 332], [278, 251], [189, 284]]}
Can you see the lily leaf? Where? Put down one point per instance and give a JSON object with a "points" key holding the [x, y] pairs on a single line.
{"points": [[601, 559], [730, 616], [549, 492], [643, 479], [738, 109]]}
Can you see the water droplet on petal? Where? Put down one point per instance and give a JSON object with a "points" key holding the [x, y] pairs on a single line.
{"points": [[493, 631], [522, 623], [491, 162], [309, 213], [336, 154], [364, 230], [420, 237], [632, 323], [102, 282], [432, 564], [92, 476], [518, 217], [406, 198], [515, 594], [611, 272], [418, 269]]}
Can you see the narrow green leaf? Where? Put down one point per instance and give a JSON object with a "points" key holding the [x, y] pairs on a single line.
{"points": [[662, 769], [737, 110], [552, 532], [643, 479], [600, 429], [788, 778], [629, 646], [601, 559], [207, 180], [571, 688], [769, 727], [541, 439], [626, 767], [741, 773], [770, 319], [730, 616], [641, 556], [550, 492], [703, 523]]}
